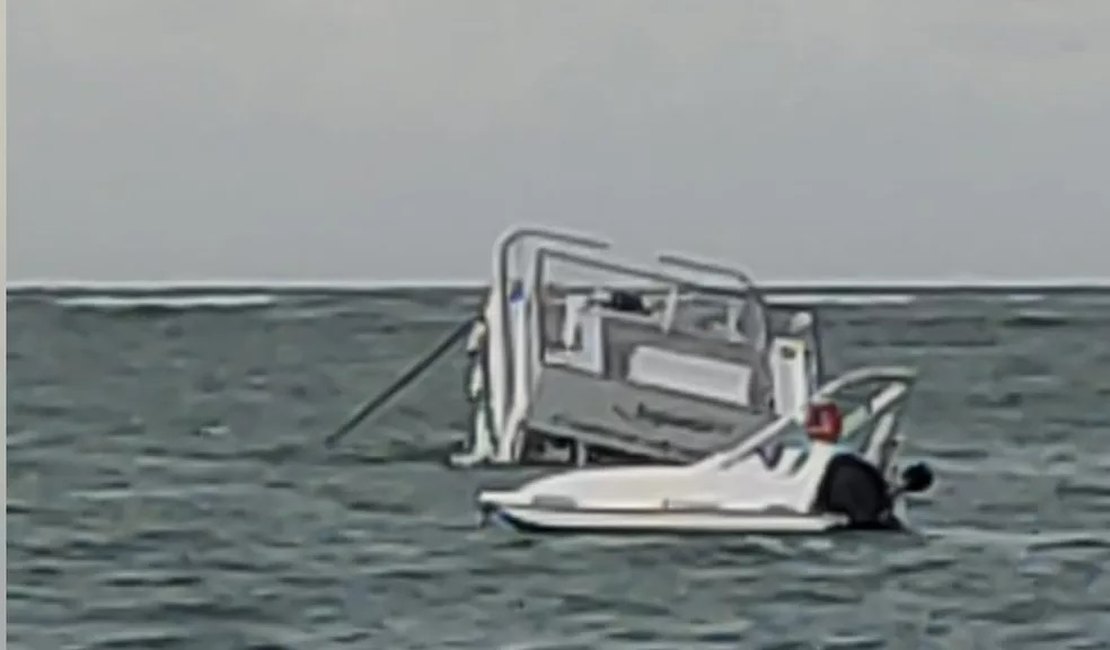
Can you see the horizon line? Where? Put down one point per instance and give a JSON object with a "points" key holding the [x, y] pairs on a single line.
{"points": [[837, 284]]}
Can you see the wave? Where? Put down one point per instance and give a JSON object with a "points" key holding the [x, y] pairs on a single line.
{"points": [[1028, 540], [1024, 297], [841, 299], [1041, 318], [109, 302]]}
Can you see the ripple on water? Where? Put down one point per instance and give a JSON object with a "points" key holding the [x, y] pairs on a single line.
{"points": [[126, 529]]}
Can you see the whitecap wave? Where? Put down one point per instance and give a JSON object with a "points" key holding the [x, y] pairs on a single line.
{"points": [[1022, 298], [168, 301]]}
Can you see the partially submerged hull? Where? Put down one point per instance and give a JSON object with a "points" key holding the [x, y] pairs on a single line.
{"points": [[580, 359]]}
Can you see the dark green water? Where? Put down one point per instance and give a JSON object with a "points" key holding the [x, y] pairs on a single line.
{"points": [[167, 488]]}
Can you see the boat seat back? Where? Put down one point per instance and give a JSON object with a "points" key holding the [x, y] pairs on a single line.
{"points": [[690, 374], [703, 363]]}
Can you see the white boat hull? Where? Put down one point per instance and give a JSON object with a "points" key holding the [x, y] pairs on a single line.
{"points": [[615, 521], [813, 490]]}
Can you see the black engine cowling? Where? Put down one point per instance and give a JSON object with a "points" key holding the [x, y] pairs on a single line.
{"points": [[854, 487]]}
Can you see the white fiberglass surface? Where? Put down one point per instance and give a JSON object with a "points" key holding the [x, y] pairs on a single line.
{"points": [[690, 374]]}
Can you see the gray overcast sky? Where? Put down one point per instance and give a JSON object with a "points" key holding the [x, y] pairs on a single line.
{"points": [[152, 140]]}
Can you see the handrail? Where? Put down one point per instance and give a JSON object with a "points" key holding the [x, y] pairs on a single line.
{"points": [[703, 266], [876, 406], [762, 340], [742, 278], [727, 458], [862, 375], [621, 267]]}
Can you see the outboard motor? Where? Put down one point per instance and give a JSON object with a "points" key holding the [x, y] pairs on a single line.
{"points": [[854, 487]]}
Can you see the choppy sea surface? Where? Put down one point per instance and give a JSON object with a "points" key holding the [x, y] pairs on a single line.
{"points": [[168, 488]]}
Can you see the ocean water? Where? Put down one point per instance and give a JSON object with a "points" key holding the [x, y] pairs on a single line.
{"points": [[168, 488]]}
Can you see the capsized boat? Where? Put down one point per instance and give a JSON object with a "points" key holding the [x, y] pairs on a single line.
{"points": [[813, 474], [579, 358]]}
